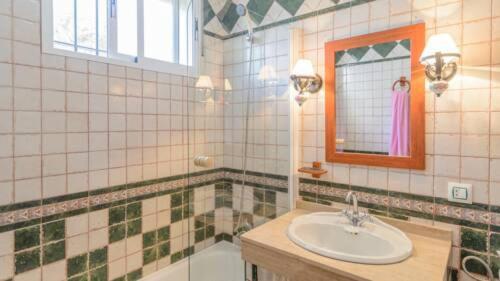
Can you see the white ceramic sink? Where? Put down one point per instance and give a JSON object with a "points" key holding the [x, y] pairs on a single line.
{"points": [[332, 235]]}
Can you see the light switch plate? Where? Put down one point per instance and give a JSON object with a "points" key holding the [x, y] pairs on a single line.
{"points": [[460, 192]]}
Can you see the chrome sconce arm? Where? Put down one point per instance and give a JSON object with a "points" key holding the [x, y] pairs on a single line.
{"points": [[441, 70], [305, 80], [439, 57], [306, 83]]}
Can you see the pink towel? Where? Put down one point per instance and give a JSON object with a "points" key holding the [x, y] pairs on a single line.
{"points": [[400, 124]]}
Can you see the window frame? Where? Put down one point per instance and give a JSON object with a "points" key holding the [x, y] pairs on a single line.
{"points": [[121, 59]]}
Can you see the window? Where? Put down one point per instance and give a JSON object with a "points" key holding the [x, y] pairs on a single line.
{"points": [[154, 34]]}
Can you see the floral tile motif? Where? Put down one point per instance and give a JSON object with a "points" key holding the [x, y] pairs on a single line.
{"points": [[415, 206]]}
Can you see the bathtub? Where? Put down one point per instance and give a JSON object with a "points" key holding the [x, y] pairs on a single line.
{"points": [[219, 262]]}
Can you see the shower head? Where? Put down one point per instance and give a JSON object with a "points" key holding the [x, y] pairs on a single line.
{"points": [[241, 10]]}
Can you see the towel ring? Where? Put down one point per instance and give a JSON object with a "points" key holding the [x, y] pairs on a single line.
{"points": [[402, 81]]}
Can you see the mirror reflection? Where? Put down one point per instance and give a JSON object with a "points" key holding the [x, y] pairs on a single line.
{"points": [[372, 101]]}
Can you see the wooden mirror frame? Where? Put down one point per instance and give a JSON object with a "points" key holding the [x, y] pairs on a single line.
{"points": [[416, 160]]}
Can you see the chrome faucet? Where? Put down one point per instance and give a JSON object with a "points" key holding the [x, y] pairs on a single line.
{"points": [[355, 217]]}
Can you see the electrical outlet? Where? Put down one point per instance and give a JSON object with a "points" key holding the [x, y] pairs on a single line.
{"points": [[460, 192]]}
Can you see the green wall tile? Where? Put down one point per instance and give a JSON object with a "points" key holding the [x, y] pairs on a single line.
{"points": [[149, 255], [188, 251], [292, 6], [270, 211], [163, 250], [148, 239], [27, 238], [175, 257], [99, 274], [257, 9], [199, 221], [258, 209], [134, 275], [384, 49], [494, 242], [358, 53], [134, 227], [188, 197], [406, 43], [473, 239], [208, 12], [53, 231], [54, 252], [210, 231], [176, 200], [219, 202], [77, 265], [134, 210], [116, 215], [270, 197], [199, 235], [98, 257], [28, 260], [164, 233], [176, 214], [117, 233], [229, 17]]}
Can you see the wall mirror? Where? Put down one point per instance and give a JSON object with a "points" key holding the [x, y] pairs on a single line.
{"points": [[374, 99]]}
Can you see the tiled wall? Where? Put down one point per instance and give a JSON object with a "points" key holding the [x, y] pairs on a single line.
{"points": [[222, 20], [129, 231], [462, 126], [71, 125], [78, 139], [267, 86], [364, 100]]}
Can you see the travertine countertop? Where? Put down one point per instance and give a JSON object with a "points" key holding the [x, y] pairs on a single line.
{"points": [[428, 262]]}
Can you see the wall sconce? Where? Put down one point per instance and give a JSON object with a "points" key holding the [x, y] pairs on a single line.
{"points": [[305, 80], [205, 84], [439, 57]]}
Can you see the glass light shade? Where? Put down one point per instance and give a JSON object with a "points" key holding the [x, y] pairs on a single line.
{"points": [[303, 68], [204, 82], [442, 43], [267, 72], [227, 85]]}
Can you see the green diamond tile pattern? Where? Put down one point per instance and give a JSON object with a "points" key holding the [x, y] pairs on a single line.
{"points": [[291, 6], [228, 16], [258, 9], [406, 43], [384, 49], [358, 53], [338, 56], [208, 12]]}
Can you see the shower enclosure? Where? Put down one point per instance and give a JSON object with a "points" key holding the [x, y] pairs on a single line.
{"points": [[232, 122]]}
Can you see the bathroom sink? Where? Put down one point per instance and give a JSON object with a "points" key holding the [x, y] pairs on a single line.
{"points": [[332, 235]]}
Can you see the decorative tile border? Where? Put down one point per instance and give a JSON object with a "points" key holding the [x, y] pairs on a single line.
{"points": [[375, 53], [337, 7], [403, 204], [25, 214], [122, 215]]}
